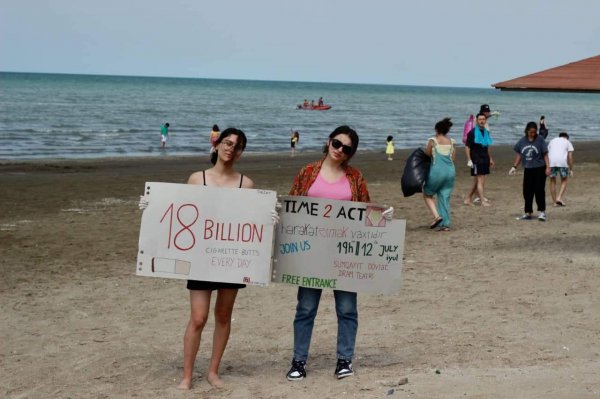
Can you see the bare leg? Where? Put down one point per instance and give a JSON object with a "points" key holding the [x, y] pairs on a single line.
{"points": [[563, 187], [553, 190], [469, 198], [430, 202], [480, 185], [200, 303], [223, 311]]}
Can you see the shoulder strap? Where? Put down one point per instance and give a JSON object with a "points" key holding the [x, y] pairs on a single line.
{"points": [[241, 179], [203, 178]]}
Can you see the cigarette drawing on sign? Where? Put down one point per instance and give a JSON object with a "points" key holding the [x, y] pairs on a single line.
{"points": [[344, 245], [202, 233]]}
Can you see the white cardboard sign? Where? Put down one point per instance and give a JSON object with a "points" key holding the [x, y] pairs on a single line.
{"points": [[344, 245], [206, 233]]}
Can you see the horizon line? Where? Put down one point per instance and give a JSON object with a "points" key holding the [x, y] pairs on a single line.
{"points": [[249, 80]]}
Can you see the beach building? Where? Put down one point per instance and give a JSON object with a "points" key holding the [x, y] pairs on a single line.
{"points": [[578, 76]]}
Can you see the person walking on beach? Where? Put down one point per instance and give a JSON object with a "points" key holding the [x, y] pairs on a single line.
{"points": [[228, 149], [479, 159], [440, 180], [485, 109], [331, 177], [293, 141], [164, 134], [214, 136], [389, 148], [560, 154], [543, 127], [533, 153]]}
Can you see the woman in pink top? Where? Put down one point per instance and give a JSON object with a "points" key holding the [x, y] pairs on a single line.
{"points": [[332, 178]]}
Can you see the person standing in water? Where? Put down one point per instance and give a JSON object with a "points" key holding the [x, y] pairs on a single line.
{"points": [[164, 134], [294, 140], [543, 127]]}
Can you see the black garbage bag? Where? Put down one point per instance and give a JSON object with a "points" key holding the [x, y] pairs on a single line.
{"points": [[415, 172]]}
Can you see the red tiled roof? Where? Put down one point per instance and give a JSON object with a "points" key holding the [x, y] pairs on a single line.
{"points": [[581, 75]]}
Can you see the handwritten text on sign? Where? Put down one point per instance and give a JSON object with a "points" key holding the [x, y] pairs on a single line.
{"points": [[344, 245], [202, 233]]}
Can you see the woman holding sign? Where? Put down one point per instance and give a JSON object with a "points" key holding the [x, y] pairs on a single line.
{"points": [[228, 148], [331, 178]]}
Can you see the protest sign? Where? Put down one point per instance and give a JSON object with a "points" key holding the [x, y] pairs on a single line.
{"points": [[206, 233], [344, 245]]}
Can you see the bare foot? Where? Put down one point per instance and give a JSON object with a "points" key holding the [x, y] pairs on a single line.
{"points": [[185, 384], [214, 380], [467, 202], [486, 203]]}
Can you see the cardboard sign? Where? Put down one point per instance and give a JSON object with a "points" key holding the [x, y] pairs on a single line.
{"points": [[343, 245], [205, 233]]}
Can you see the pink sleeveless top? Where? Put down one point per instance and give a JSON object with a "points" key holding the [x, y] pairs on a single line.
{"points": [[339, 190]]}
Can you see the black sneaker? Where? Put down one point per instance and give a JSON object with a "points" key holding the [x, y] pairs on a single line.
{"points": [[298, 371], [343, 369]]}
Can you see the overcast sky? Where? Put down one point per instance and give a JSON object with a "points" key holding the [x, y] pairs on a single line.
{"points": [[407, 42]]}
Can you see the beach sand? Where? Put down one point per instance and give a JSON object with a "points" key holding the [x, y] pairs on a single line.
{"points": [[494, 308]]}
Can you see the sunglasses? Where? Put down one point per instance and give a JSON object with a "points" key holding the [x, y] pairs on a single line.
{"points": [[346, 149]]}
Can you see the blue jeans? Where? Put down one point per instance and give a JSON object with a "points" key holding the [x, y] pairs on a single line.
{"points": [[306, 311]]}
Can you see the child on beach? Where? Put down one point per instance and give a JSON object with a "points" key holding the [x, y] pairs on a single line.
{"points": [[389, 148]]}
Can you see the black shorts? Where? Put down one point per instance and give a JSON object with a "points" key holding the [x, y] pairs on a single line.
{"points": [[211, 285], [480, 169]]}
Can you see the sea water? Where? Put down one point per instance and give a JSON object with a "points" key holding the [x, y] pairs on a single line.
{"points": [[50, 116]]}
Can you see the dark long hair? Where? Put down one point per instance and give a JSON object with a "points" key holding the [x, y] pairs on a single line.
{"points": [[443, 126], [529, 126], [344, 129], [224, 134]]}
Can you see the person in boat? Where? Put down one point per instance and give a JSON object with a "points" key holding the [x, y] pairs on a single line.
{"points": [[320, 102], [305, 103]]}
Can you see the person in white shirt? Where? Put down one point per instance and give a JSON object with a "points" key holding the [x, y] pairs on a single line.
{"points": [[560, 153]]}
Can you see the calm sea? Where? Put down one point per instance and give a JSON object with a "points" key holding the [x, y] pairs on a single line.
{"points": [[85, 116]]}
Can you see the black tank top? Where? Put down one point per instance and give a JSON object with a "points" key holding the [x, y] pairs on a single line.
{"points": [[204, 179]]}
